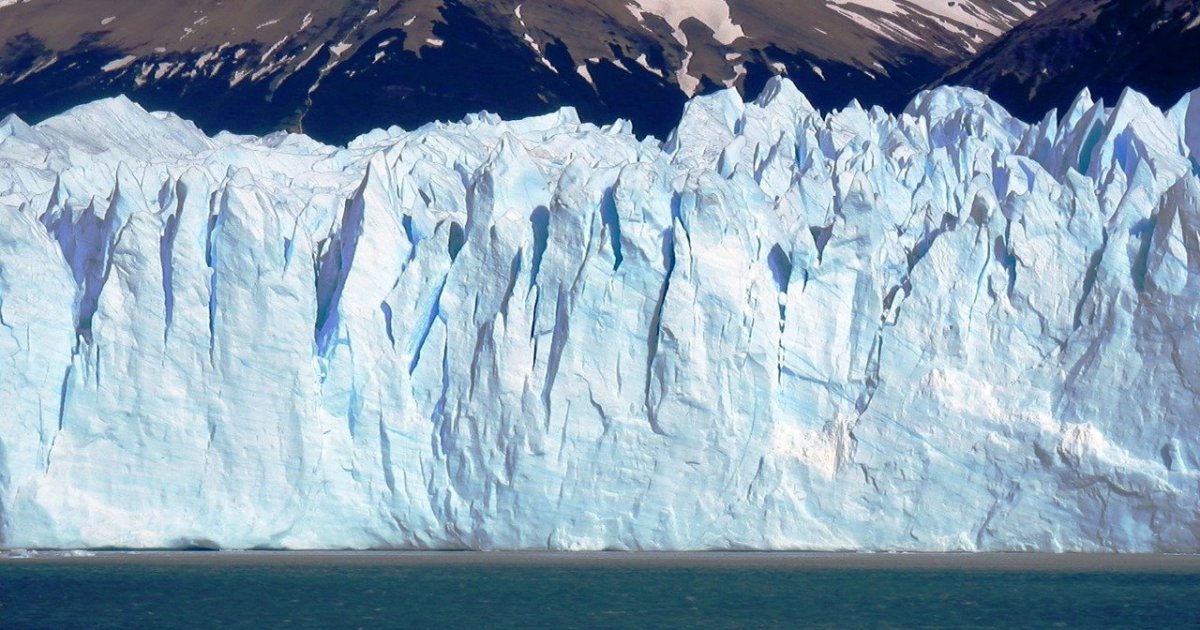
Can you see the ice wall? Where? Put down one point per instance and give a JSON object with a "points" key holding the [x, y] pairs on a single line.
{"points": [[778, 329]]}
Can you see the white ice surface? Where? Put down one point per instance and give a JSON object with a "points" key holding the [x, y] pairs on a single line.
{"points": [[946, 330]]}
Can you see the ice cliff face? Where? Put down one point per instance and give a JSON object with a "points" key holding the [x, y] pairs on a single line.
{"points": [[946, 330]]}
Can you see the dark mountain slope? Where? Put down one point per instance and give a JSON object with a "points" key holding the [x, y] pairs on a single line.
{"points": [[1152, 46], [337, 68]]}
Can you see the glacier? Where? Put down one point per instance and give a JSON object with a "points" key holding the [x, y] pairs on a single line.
{"points": [[776, 329]]}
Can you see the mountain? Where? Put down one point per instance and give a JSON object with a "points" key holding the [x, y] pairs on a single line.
{"points": [[947, 330], [1103, 46], [340, 68]]}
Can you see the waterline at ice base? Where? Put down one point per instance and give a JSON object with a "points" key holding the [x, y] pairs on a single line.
{"points": [[776, 329]]}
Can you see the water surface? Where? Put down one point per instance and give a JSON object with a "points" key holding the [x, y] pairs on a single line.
{"points": [[605, 590]]}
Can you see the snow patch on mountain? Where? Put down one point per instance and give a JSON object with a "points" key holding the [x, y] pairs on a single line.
{"points": [[963, 13], [973, 21], [117, 64], [713, 13]]}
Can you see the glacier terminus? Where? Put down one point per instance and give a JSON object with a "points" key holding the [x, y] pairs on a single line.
{"points": [[776, 329]]}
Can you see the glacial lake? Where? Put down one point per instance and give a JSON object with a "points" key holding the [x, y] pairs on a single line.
{"points": [[597, 590]]}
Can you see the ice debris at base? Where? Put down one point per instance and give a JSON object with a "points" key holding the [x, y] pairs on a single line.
{"points": [[946, 330]]}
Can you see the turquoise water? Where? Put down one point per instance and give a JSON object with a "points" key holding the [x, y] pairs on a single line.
{"points": [[331, 591]]}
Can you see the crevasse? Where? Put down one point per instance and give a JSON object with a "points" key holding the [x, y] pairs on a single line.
{"points": [[778, 329]]}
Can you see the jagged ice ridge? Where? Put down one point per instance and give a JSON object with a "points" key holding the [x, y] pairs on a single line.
{"points": [[778, 329]]}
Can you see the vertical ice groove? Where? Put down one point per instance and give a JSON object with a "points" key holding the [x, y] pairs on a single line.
{"points": [[1143, 232], [212, 235], [166, 250], [1007, 257], [439, 408], [63, 397], [540, 221], [780, 265], [386, 309], [1089, 280], [456, 241], [611, 220], [63, 400], [406, 224], [821, 235], [652, 339], [96, 263], [353, 410], [558, 342], [335, 266], [514, 271], [417, 344], [385, 458]]}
